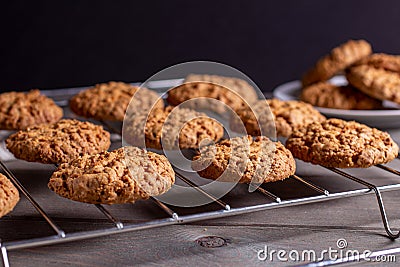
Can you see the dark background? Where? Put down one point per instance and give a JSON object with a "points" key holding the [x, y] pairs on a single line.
{"points": [[54, 44]]}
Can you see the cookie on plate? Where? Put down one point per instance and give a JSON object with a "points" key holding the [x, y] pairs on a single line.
{"points": [[327, 95], [21, 110], [120, 176], [9, 196], [207, 95], [242, 87], [58, 142], [109, 101], [286, 116], [342, 144], [382, 61], [337, 60], [245, 160], [375, 82], [171, 128]]}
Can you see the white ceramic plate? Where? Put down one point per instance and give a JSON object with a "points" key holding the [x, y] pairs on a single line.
{"points": [[384, 119]]}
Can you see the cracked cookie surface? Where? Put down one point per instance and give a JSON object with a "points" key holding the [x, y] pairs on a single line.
{"points": [[9, 196], [206, 95], [383, 61], [171, 128], [337, 60], [245, 160], [284, 115], [109, 101], [326, 95], [121, 176], [342, 144], [375, 82], [21, 110], [58, 142]]}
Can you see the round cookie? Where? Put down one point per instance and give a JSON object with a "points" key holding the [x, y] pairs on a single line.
{"points": [[206, 95], [109, 101], [58, 142], [342, 144], [383, 61], [9, 196], [375, 82], [242, 87], [327, 95], [245, 160], [287, 116], [337, 60], [120, 176], [171, 128], [21, 110]]}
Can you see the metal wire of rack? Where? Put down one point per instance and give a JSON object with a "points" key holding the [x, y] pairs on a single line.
{"points": [[226, 209]]}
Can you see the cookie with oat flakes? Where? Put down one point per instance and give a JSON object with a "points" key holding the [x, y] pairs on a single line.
{"points": [[327, 95], [286, 116], [337, 60], [9, 196], [22, 110], [109, 101], [58, 142], [342, 144], [375, 82], [171, 128], [245, 160], [124, 175]]}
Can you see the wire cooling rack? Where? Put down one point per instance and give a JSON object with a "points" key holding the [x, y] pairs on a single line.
{"points": [[268, 198]]}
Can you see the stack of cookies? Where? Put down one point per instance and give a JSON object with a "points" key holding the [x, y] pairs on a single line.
{"points": [[372, 78]]}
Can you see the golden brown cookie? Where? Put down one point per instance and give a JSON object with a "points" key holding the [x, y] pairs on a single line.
{"points": [[378, 83], [382, 61], [207, 95], [286, 116], [58, 142], [337, 60], [171, 128], [9, 196], [242, 87], [342, 144], [327, 95], [245, 160], [21, 110], [120, 176], [109, 101]]}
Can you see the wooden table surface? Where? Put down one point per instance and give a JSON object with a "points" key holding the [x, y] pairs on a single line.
{"points": [[315, 226]]}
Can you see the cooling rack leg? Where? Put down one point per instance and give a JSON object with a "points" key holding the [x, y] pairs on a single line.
{"points": [[4, 256], [383, 215], [378, 195]]}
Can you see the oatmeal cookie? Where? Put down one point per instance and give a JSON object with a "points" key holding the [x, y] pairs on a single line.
{"points": [[58, 142], [171, 128], [378, 83], [120, 176], [206, 95], [245, 160], [242, 87], [286, 115], [342, 144], [382, 61], [9, 196], [337, 60], [21, 110], [109, 101], [327, 95]]}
